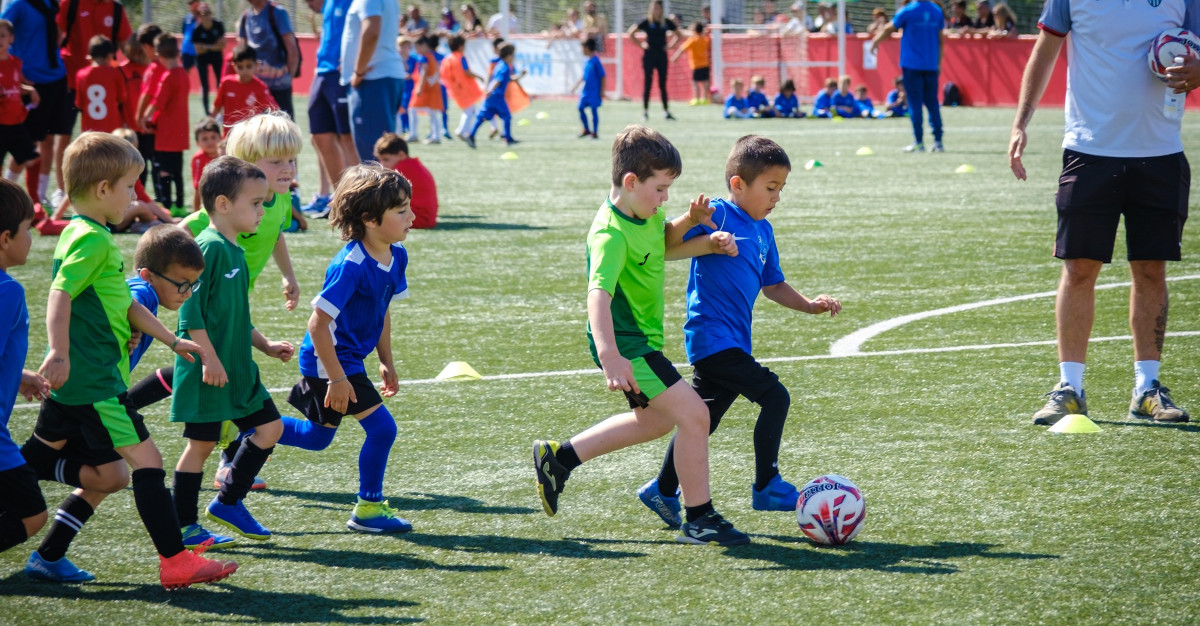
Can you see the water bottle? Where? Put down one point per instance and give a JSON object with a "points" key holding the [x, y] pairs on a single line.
{"points": [[1173, 102]]}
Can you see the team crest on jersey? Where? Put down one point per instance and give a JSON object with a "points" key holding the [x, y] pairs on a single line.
{"points": [[1154, 3], [108, 21]]}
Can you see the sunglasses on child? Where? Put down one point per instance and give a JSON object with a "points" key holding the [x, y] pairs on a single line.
{"points": [[182, 287]]}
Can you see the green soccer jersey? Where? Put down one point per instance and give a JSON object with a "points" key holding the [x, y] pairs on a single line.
{"points": [[259, 244], [626, 258], [221, 307], [88, 266]]}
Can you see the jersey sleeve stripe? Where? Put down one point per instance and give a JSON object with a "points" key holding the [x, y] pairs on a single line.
{"points": [[326, 306]]}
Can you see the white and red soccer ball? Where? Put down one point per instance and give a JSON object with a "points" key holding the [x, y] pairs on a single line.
{"points": [[831, 510], [1171, 43]]}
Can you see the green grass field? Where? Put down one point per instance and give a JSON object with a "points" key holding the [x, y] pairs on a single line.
{"points": [[975, 516]]}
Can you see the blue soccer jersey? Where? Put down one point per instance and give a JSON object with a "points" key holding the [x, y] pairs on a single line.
{"points": [[822, 104], [593, 82], [14, 321], [845, 104], [757, 99], [501, 76], [920, 23], [741, 105], [143, 293], [721, 289], [357, 293], [787, 106]]}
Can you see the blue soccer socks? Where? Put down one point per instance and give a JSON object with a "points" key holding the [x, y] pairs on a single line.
{"points": [[372, 460], [306, 434]]}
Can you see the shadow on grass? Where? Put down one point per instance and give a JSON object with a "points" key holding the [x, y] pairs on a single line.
{"points": [[1183, 426], [468, 222], [377, 560], [229, 604], [412, 501], [801, 554], [567, 548]]}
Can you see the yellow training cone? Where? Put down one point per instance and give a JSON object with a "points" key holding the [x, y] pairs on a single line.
{"points": [[1075, 423], [838, 118], [965, 169], [509, 156], [865, 151], [458, 370], [542, 115], [524, 122]]}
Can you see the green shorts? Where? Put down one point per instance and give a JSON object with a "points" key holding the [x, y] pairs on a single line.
{"points": [[654, 374]]}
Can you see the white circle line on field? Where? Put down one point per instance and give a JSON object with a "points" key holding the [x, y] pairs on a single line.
{"points": [[777, 359], [851, 345]]}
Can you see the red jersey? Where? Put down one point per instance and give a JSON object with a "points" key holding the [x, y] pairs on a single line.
{"points": [[150, 79], [132, 72], [424, 192], [240, 100], [170, 102], [95, 17], [12, 110], [100, 95], [199, 160], [139, 191]]}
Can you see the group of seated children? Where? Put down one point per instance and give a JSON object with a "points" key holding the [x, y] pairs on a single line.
{"points": [[830, 102]]}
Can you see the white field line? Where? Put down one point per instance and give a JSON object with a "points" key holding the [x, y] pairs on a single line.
{"points": [[845, 347]]}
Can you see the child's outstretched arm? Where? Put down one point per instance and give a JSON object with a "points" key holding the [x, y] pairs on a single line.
{"points": [[281, 350], [787, 296], [143, 320], [339, 393], [57, 364], [291, 288], [715, 243], [618, 371], [387, 363]]}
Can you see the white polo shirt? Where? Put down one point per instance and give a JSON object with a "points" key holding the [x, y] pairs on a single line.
{"points": [[1114, 104]]}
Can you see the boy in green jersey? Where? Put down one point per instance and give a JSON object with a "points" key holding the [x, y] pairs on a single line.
{"points": [[88, 321], [227, 385], [628, 245]]}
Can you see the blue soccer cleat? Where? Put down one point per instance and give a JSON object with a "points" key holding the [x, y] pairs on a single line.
{"points": [[778, 495], [237, 519], [60, 571], [666, 507], [376, 517], [195, 535]]}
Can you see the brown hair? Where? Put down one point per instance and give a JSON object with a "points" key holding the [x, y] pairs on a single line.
{"points": [[642, 151], [224, 176], [364, 194], [95, 157], [166, 245], [751, 156], [15, 206], [166, 46], [390, 143]]}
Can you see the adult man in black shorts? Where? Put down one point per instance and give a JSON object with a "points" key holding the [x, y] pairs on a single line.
{"points": [[1123, 155]]}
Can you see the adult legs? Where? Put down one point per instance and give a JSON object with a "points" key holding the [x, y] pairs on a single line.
{"points": [[1075, 308], [372, 113], [647, 80], [914, 86], [1148, 309], [933, 103], [661, 66]]}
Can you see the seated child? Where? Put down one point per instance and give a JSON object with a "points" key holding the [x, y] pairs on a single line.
{"points": [[207, 133], [756, 98], [823, 102], [786, 103], [866, 108], [843, 101], [736, 105], [897, 100], [392, 152]]}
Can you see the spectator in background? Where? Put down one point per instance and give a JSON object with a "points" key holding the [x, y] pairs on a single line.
{"points": [[187, 50], [267, 28], [595, 25], [470, 24], [958, 20], [415, 26], [1006, 23], [208, 41], [827, 21], [497, 22], [879, 19], [659, 36], [920, 23], [984, 20], [372, 68], [801, 21], [447, 24]]}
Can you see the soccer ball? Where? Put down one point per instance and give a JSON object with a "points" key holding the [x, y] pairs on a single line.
{"points": [[1171, 43], [831, 510]]}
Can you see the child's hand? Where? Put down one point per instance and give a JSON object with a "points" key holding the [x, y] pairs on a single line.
{"points": [[135, 337], [291, 294], [184, 348], [339, 395], [700, 213], [56, 367], [34, 386], [391, 382], [618, 372], [823, 303], [214, 373], [281, 350], [722, 242]]}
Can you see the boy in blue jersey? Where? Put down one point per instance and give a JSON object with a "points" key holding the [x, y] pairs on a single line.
{"points": [[593, 89], [786, 102], [351, 319], [22, 507], [757, 98], [823, 102], [736, 105], [720, 300], [494, 104], [405, 45], [843, 101], [897, 100], [866, 108]]}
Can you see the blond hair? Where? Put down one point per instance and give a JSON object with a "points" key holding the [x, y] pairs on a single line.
{"points": [[266, 135], [127, 135], [96, 157]]}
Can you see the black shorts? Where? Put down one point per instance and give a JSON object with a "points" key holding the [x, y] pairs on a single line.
{"points": [[1094, 192], [308, 396], [211, 431], [93, 431], [700, 75], [15, 140], [20, 495], [720, 378], [52, 104]]}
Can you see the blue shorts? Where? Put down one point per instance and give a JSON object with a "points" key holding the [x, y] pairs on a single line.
{"points": [[494, 109], [327, 108]]}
